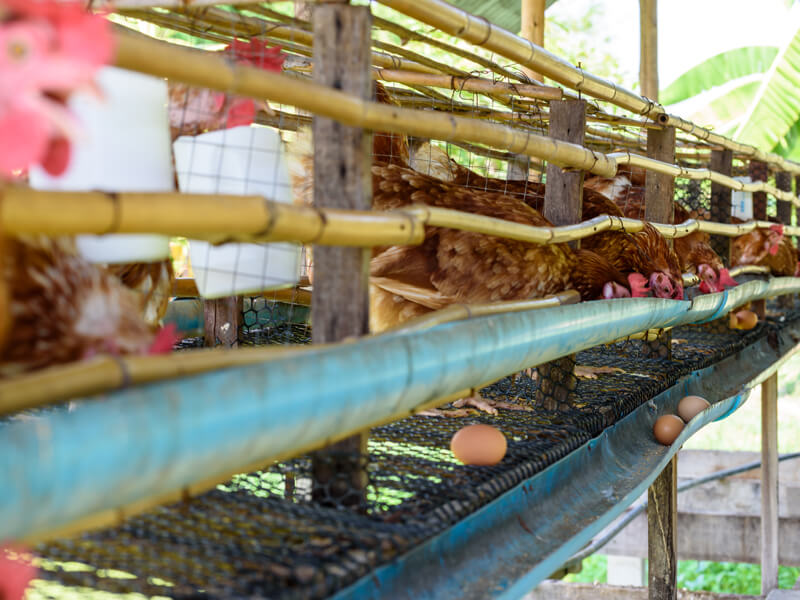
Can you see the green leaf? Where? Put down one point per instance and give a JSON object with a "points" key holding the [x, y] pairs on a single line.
{"points": [[776, 106], [726, 110], [718, 70]]}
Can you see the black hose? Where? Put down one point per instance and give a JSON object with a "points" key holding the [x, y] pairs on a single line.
{"points": [[641, 506]]}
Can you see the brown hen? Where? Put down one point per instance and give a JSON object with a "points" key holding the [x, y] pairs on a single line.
{"points": [[459, 266], [64, 308], [153, 283], [693, 252], [766, 247]]}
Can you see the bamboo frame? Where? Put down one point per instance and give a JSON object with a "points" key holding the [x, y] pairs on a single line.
{"points": [[118, 5], [481, 32], [210, 217], [186, 287], [139, 53], [459, 312], [700, 174], [471, 84], [105, 374]]}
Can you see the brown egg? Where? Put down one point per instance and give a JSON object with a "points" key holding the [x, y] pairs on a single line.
{"points": [[690, 406], [667, 428], [478, 445], [744, 319]]}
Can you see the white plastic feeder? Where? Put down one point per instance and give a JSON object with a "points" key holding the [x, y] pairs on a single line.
{"points": [[247, 160], [125, 146], [742, 202]]}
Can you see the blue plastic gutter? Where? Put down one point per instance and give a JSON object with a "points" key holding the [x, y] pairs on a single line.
{"points": [[157, 439], [513, 543]]}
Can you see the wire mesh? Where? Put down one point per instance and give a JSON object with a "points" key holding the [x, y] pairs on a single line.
{"points": [[264, 535]]}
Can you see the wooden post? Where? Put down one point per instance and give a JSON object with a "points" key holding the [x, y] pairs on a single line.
{"points": [[222, 320], [302, 10], [662, 510], [532, 12], [563, 198], [342, 179], [783, 181], [648, 62], [660, 208], [721, 162], [769, 484], [759, 172], [564, 192]]}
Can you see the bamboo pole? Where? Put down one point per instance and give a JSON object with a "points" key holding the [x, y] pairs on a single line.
{"points": [[701, 174], [480, 32], [471, 84], [25, 211], [119, 5], [648, 61], [139, 53], [186, 287], [102, 375], [533, 22], [203, 68]]}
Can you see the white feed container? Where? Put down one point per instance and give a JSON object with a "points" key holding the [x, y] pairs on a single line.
{"points": [[742, 202], [124, 147], [247, 160]]}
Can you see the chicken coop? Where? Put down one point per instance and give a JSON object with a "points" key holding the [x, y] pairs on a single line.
{"points": [[298, 247]]}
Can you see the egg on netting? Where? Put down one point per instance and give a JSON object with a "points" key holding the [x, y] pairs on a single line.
{"points": [[481, 445]]}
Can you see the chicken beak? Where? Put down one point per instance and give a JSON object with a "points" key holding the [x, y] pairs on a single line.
{"points": [[725, 279]]}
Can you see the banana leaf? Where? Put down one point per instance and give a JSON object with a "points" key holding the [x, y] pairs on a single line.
{"points": [[775, 109], [718, 70]]}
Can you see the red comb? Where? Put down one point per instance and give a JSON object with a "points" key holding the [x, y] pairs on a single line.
{"points": [[165, 339], [257, 53], [15, 574]]}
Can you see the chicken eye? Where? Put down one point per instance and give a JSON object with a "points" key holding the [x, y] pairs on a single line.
{"points": [[17, 50]]}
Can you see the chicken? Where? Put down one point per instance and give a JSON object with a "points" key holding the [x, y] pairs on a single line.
{"points": [[64, 308], [194, 110], [694, 252], [460, 266], [697, 256], [766, 247], [644, 257], [153, 282], [645, 253]]}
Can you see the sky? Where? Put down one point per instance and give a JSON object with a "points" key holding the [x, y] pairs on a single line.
{"points": [[689, 30]]}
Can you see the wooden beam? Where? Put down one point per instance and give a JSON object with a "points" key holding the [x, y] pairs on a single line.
{"points": [[785, 210], [659, 208], [648, 62], [564, 191], [222, 320], [342, 179], [759, 171], [532, 12], [769, 484], [662, 511], [721, 162], [562, 205], [559, 590]]}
